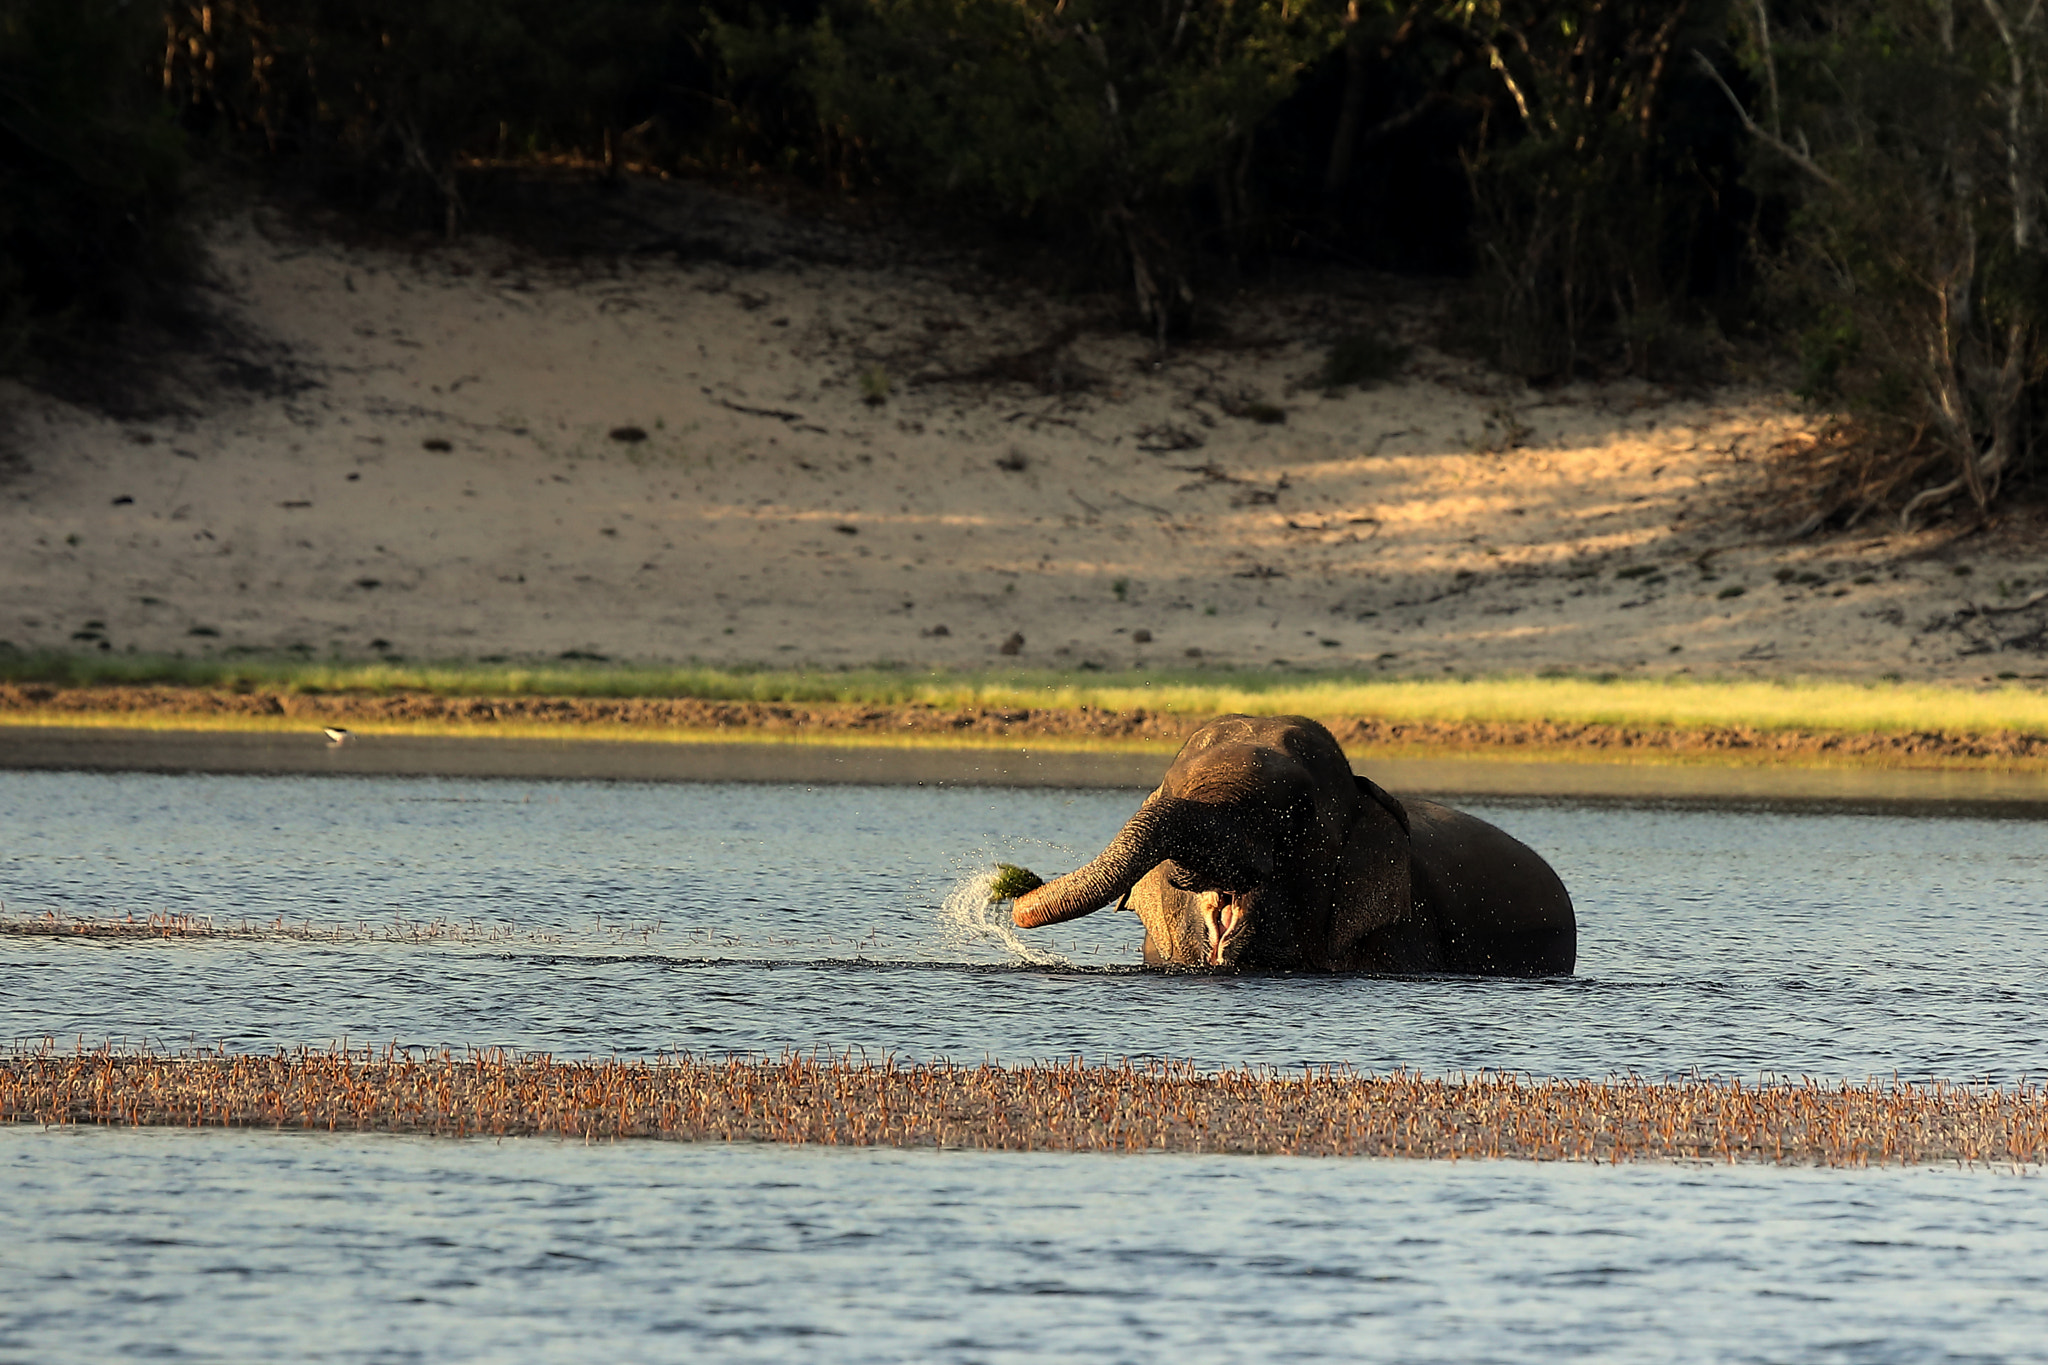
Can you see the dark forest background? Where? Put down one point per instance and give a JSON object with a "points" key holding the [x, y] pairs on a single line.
{"points": [[1608, 187]]}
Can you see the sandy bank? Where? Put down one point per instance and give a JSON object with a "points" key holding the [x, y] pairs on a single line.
{"points": [[472, 452]]}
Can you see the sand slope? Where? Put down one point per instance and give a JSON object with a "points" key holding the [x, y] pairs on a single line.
{"points": [[447, 484]]}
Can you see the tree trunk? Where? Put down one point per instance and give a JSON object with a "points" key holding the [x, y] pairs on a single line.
{"points": [[1344, 142]]}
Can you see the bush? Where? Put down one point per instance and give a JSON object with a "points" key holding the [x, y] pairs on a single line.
{"points": [[1361, 360], [392, 103], [1161, 140], [381, 96], [91, 168], [1884, 160], [1095, 118], [1909, 135], [1601, 158]]}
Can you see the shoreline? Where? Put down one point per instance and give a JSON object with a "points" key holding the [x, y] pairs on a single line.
{"points": [[298, 752], [1049, 719]]}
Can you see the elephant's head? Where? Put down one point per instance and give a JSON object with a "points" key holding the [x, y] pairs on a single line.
{"points": [[1226, 833]]}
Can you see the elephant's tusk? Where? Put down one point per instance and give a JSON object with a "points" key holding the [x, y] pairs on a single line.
{"points": [[1225, 919]]}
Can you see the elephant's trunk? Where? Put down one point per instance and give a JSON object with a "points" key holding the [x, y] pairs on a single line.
{"points": [[1142, 845]]}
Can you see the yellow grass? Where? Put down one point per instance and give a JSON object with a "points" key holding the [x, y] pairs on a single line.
{"points": [[1680, 702], [1845, 724], [1059, 1107], [1791, 704]]}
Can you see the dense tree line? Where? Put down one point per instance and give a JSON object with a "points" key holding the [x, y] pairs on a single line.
{"points": [[1625, 185]]}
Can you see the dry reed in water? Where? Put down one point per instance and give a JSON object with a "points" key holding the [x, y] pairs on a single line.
{"points": [[1056, 1107], [167, 925]]}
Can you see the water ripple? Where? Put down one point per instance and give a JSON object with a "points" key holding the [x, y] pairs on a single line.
{"points": [[636, 920]]}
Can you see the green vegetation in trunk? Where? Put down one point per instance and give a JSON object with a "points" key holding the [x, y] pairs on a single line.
{"points": [[1012, 881]]}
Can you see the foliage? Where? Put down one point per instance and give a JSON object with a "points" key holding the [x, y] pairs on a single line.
{"points": [[1361, 359], [377, 92], [1095, 117], [1621, 172], [1598, 155], [1012, 881], [1171, 138], [1909, 135], [91, 172], [393, 100]]}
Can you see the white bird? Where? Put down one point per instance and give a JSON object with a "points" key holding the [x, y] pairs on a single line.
{"points": [[336, 735]]}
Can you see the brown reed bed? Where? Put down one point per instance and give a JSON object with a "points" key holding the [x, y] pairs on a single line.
{"points": [[1070, 1107]]}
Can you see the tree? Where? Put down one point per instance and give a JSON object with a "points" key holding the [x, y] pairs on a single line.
{"points": [[1590, 169], [90, 171], [1103, 114], [1908, 132]]}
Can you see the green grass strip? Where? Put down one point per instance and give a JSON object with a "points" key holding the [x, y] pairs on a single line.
{"points": [[1684, 703]]}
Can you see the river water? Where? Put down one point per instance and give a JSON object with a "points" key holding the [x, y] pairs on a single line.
{"points": [[627, 919]]}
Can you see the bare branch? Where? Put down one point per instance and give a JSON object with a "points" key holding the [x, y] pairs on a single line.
{"points": [[1925, 498], [1393, 124], [1763, 40], [2023, 193], [1764, 135], [1494, 59], [1975, 609]]}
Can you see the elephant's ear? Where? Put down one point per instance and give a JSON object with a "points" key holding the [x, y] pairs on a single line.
{"points": [[1368, 787]]}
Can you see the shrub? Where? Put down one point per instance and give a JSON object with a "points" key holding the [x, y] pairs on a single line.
{"points": [[1600, 153], [392, 103], [386, 94], [1361, 360], [1093, 117], [91, 171], [1909, 135]]}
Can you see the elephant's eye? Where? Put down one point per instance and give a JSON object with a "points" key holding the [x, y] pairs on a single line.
{"points": [[1195, 881]]}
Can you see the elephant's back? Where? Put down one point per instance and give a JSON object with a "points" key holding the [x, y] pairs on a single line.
{"points": [[1500, 908]]}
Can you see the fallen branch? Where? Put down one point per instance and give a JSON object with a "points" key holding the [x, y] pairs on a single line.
{"points": [[1970, 609], [1764, 135], [779, 414]]}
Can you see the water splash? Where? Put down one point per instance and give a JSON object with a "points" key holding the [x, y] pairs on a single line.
{"points": [[968, 913]]}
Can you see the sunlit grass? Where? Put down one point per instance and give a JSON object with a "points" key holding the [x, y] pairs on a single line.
{"points": [[1666, 703]]}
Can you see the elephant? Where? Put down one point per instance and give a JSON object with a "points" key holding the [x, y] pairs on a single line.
{"points": [[1261, 851]]}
